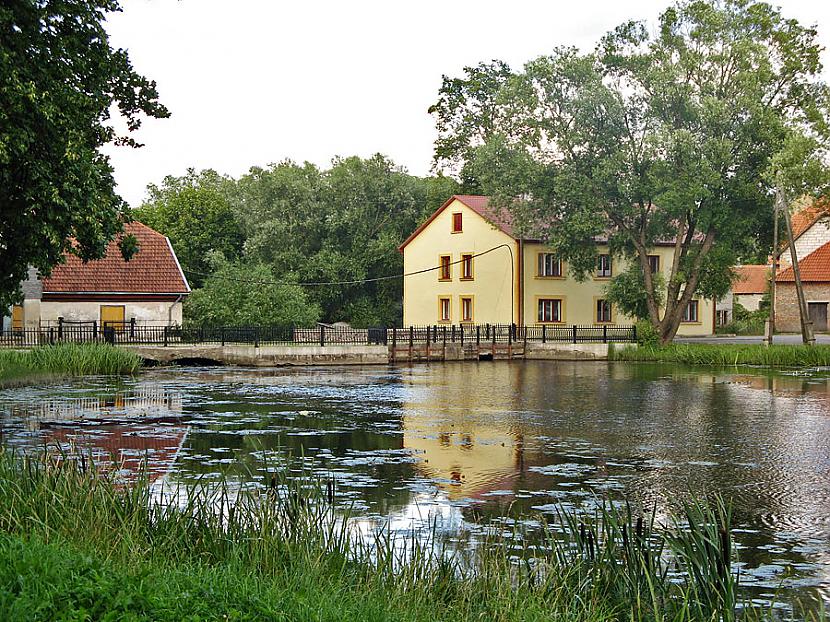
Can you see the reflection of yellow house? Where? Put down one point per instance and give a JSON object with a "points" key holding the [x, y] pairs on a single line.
{"points": [[521, 281], [471, 459]]}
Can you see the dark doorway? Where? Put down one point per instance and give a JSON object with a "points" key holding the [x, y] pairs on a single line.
{"points": [[818, 315]]}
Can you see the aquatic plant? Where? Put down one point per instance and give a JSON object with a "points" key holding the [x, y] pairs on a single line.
{"points": [[728, 355], [74, 540], [66, 359]]}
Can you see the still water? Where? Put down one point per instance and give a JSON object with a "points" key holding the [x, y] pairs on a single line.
{"points": [[473, 444]]}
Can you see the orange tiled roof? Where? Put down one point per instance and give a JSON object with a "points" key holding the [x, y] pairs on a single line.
{"points": [[805, 218], [153, 269], [751, 279], [815, 267]]}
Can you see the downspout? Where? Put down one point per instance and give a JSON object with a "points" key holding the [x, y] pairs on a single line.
{"points": [[179, 298], [521, 303]]}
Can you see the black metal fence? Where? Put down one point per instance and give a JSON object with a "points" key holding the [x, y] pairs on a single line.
{"points": [[131, 333]]}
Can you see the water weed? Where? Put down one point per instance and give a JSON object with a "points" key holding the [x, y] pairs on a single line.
{"points": [[728, 355], [97, 547]]}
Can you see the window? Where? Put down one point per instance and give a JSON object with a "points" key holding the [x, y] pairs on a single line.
{"points": [[549, 265], [444, 309], [550, 310], [457, 222], [466, 309], [654, 263], [690, 312], [722, 317], [603, 312], [604, 266], [467, 267], [445, 273]]}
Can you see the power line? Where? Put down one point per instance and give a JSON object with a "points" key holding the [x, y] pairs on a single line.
{"points": [[353, 282]]}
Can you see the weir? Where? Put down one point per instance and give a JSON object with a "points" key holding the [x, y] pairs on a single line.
{"points": [[305, 355]]}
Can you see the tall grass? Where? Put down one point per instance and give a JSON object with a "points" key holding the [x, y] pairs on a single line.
{"points": [[66, 360], [728, 355], [285, 549]]}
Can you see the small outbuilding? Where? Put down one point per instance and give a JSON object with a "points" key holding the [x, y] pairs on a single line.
{"points": [[146, 290]]}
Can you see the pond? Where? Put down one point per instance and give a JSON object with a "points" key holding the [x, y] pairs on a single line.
{"points": [[473, 444]]}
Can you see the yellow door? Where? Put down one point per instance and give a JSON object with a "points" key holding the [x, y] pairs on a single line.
{"points": [[114, 315], [17, 317]]}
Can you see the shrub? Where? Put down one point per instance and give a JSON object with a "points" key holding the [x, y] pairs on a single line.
{"points": [[646, 333]]}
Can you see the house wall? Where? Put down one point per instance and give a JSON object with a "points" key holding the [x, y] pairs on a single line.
{"points": [[787, 316], [750, 302], [817, 235], [491, 284], [146, 312], [579, 298]]}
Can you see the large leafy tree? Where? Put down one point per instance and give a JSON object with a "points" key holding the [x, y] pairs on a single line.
{"points": [[341, 224], [248, 294], [673, 136], [195, 213], [59, 80]]}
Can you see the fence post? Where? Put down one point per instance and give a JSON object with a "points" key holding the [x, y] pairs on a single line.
{"points": [[510, 335], [132, 328], [515, 334], [94, 330], [461, 335], [478, 335], [165, 336], [634, 333], [322, 336], [444, 344], [544, 333], [256, 336], [51, 335], [574, 330], [524, 339], [222, 335], [60, 329], [452, 337], [411, 339], [605, 333]]}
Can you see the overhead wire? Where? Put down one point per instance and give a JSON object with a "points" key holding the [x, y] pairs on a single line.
{"points": [[350, 282]]}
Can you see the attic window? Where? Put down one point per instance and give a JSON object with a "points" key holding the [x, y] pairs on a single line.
{"points": [[456, 222]]}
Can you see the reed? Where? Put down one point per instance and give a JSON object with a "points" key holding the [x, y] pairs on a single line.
{"points": [[75, 541], [728, 355], [70, 359]]}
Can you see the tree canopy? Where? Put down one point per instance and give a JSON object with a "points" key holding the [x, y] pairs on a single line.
{"points": [[237, 294], [303, 224], [194, 211], [673, 136], [59, 81]]}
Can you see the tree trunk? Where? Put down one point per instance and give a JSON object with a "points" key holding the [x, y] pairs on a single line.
{"points": [[806, 323]]}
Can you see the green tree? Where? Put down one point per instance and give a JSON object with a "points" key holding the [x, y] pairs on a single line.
{"points": [[654, 137], [245, 294], [342, 224], [59, 80], [195, 213]]}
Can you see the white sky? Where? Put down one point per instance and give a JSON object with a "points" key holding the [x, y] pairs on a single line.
{"points": [[249, 82]]}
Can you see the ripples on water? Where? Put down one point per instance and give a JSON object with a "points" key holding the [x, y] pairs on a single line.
{"points": [[472, 445]]}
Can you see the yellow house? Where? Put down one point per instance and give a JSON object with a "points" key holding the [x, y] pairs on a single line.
{"points": [[517, 280]]}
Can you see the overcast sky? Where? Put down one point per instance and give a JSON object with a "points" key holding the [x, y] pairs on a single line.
{"points": [[249, 82]]}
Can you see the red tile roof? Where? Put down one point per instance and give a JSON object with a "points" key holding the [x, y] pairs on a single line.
{"points": [[815, 267], [153, 269], [751, 280], [807, 217]]}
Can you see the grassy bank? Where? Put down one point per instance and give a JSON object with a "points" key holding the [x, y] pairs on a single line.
{"points": [[74, 545], [23, 366], [728, 355]]}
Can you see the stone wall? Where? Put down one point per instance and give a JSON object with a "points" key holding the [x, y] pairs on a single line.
{"points": [[787, 317]]}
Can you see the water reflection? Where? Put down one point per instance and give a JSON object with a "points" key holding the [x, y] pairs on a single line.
{"points": [[470, 443]]}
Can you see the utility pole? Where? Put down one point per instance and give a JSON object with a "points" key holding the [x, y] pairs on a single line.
{"points": [[770, 328], [806, 324]]}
